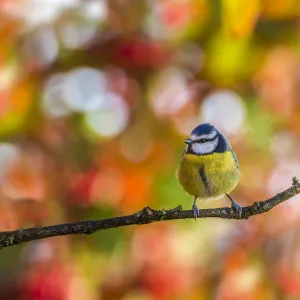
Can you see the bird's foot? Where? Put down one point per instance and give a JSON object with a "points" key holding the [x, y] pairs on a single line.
{"points": [[238, 209], [195, 211]]}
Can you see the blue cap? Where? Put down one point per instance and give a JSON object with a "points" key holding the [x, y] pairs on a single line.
{"points": [[205, 128]]}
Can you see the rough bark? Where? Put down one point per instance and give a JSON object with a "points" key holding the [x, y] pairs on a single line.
{"points": [[145, 216]]}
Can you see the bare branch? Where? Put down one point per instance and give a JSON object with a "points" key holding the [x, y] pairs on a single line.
{"points": [[145, 216]]}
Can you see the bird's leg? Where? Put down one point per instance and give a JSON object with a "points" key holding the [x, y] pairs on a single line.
{"points": [[238, 209], [195, 209]]}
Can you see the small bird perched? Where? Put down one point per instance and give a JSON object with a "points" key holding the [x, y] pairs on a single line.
{"points": [[209, 168]]}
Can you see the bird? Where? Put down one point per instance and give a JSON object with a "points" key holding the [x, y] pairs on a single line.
{"points": [[209, 167]]}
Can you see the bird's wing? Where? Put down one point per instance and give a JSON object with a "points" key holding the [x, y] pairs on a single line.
{"points": [[229, 148], [234, 156]]}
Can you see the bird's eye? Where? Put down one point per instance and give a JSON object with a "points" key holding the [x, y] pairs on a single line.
{"points": [[202, 140]]}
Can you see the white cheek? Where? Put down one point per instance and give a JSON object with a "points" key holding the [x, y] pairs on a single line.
{"points": [[205, 148]]}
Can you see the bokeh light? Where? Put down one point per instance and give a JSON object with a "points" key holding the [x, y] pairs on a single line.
{"points": [[41, 48], [8, 155], [225, 110], [170, 93], [84, 89], [99, 120], [54, 103]]}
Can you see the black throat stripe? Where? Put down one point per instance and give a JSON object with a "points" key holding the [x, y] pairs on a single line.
{"points": [[204, 179]]}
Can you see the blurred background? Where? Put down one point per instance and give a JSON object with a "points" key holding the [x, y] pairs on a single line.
{"points": [[96, 97]]}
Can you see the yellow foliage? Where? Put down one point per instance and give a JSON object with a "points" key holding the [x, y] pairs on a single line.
{"points": [[281, 9], [240, 17]]}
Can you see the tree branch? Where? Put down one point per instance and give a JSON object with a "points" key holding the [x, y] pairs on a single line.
{"points": [[145, 216]]}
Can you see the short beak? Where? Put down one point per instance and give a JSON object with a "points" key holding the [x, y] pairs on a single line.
{"points": [[188, 141]]}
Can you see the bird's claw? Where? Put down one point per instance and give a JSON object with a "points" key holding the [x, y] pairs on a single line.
{"points": [[195, 211], [238, 209]]}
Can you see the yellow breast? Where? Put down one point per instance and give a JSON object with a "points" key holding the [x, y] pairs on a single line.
{"points": [[208, 176]]}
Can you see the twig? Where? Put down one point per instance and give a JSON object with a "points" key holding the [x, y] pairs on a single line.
{"points": [[145, 216]]}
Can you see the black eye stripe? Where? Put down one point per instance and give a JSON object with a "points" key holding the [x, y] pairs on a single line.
{"points": [[203, 140]]}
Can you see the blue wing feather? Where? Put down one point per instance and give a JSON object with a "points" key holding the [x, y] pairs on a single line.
{"points": [[234, 157], [229, 148]]}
